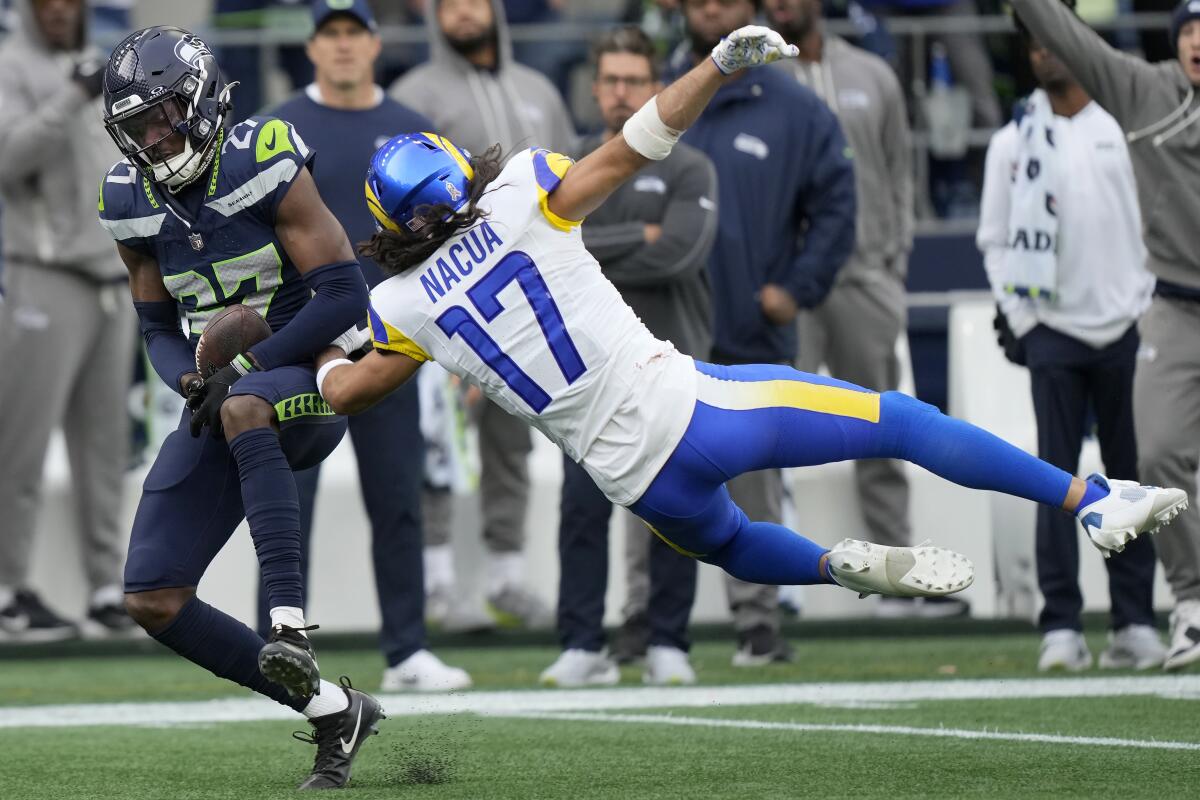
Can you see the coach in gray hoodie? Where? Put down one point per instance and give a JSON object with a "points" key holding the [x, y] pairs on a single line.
{"points": [[477, 96], [67, 333], [1158, 108]]}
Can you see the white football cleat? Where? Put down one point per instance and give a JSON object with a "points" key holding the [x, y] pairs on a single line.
{"points": [[1128, 511], [424, 672], [921, 571], [575, 667], [667, 666]]}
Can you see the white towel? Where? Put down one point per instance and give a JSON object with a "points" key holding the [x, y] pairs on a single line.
{"points": [[1031, 263]]}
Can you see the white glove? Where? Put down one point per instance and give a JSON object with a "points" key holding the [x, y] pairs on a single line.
{"points": [[751, 46], [352, 340]]}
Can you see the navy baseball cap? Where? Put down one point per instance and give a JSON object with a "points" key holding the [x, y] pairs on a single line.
{"points": [[322, 10]]}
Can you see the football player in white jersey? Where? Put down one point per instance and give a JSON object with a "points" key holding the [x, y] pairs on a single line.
{"points": [[491, 280]]}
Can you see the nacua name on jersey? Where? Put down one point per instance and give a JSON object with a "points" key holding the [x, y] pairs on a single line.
{"points": [[215, 240]]}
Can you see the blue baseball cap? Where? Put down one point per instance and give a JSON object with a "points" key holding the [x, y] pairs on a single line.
{"points": [[322, 10]]}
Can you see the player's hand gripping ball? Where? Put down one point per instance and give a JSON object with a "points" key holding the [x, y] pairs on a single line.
{"points": [[220, 359]]}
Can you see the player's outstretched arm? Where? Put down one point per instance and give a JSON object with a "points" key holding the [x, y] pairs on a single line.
{"points": [[158, 317], [651, 133], [351, 388]]}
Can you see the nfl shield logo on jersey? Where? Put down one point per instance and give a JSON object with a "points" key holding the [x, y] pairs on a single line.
{"points": [[197, 241]]}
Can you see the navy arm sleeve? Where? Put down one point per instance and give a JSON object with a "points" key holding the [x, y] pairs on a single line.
{"points": [[340, 301], [169, 350], [827, 206]]}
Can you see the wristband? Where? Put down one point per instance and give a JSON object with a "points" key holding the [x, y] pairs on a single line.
{"points": [[324, 371]]}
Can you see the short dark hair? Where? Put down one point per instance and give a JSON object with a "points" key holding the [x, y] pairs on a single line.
{"points": [[626, 39], [1024, 33]]}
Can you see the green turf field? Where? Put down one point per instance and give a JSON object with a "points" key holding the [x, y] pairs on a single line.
{"points": [[870, 717]]}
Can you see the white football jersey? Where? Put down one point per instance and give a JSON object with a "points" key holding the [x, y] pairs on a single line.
{"points": [[517, 306]]}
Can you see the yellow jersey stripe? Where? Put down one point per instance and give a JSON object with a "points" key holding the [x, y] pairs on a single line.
{"points": [[823, 399]]}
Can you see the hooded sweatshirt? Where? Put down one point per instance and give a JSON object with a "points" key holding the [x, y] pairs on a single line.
{"points": [[53, 153], [1159, 110], [863, 92], [512, 105]]}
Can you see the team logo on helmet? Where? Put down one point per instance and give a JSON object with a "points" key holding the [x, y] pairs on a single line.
{"points": [[191, 50]]}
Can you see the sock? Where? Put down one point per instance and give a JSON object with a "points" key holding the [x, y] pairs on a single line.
{"points": [[960, 452], [1091, 494], [329, 700], [223, 646], [288, 615], [273, 510], [763, 552], [505, 569], [439, 567]]}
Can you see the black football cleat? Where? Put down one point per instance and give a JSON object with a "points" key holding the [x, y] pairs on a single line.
{"points": [[288, 659], [338, 738]]}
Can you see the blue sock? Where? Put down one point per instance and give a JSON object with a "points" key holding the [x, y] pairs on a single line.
{"points": [[273, 510], [763, 552], [960, 452], [1095, 491], [223, 646]]}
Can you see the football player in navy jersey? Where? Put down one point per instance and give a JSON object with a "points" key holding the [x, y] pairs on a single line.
{"points": [[205, 216]]}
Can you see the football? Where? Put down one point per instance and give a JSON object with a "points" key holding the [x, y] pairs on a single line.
{"points": [[231, 332]]}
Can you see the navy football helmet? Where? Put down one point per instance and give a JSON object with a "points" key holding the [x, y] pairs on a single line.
{"points": [[165, 103], [414, 170]]}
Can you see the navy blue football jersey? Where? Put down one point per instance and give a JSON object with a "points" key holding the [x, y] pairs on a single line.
{"points": [[215, 241]]}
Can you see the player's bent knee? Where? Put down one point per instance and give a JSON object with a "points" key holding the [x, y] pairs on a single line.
{"points": [[154, 610], [245, 412]]}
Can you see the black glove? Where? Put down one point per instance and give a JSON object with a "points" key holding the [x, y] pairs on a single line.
{"points": [[89, 74], [1014, 347], [205, 402]]}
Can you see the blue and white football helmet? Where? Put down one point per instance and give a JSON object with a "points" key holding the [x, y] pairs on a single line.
{"points": [[413, 170]]}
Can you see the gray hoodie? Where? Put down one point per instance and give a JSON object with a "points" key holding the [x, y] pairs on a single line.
{"points": [[865, 95], [475, 108], [53, 153], [1159, 110]]}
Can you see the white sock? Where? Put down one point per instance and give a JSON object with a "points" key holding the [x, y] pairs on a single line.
{"points": [[330, 701], [439, 567], [288, 615], [7, 595], [505, 569]]}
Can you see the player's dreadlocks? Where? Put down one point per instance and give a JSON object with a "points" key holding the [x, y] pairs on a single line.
{"points": [[396, 252]]}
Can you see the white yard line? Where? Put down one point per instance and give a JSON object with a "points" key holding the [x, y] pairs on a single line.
{"points": [[891, 730], [248, 709]]}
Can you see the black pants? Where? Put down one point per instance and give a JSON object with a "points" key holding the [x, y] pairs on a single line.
{"points": [[583, 561], [390, 452], [1068, 376]]}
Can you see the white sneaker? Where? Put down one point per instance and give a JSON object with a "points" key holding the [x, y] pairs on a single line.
{"points": [[667, 666], [921, 571], [1064, 649], [1185, 635], [424, 672], [576, 667], [1133, 647], [1128, 511]]}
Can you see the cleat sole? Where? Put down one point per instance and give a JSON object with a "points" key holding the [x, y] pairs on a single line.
{"points": [[300, 677]]}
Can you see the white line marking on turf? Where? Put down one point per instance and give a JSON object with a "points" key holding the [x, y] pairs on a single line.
{"points": [[251, 709], [900, 730]]}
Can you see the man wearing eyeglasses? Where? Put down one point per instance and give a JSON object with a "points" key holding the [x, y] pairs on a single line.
{"points": [[652, 238]]}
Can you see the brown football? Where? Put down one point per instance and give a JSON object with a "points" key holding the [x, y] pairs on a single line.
{"points": [[231, 332]]}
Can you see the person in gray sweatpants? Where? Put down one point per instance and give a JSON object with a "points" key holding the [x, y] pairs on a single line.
{"points": [[1158, 108], [854, 332], [67, 331]]}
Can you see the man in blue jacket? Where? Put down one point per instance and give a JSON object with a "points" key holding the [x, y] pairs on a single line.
{"points": [[785, 190]]}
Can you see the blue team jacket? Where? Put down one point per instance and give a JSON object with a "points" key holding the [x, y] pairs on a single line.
{"points": [[785, 188]]}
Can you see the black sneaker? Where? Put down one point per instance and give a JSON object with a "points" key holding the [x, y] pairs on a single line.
{"points": [[26, 619], [761, 645], [943, 607], [111, 620], [288, 659], [632, 639], [339, 736]]}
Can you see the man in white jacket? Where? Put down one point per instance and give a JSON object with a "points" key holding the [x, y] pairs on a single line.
{"points": [[1060, 231]]}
